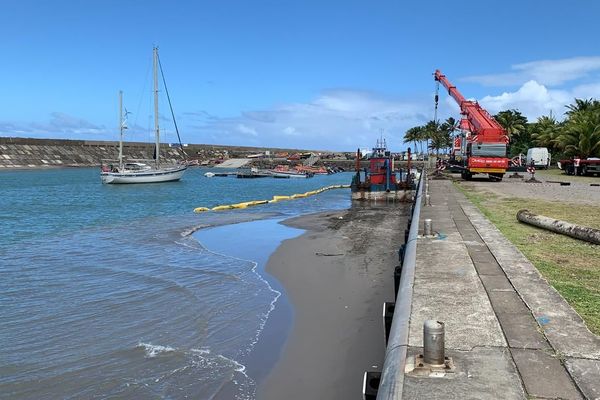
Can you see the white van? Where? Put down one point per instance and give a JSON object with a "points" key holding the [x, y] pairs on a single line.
{"points": [[540, 156]]}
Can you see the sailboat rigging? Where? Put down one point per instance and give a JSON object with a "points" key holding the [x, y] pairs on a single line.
{"points": [[136, 171]]}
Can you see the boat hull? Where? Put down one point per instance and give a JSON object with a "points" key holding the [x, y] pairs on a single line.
{"points": [[277, 174], [152, 176]]}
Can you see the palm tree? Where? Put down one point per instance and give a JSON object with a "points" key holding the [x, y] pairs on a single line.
{"points": [[545, 132], [581, 134], [517, 128], [430, 131], [448, 127], [582, 105], [513, 122], [414, 135]]}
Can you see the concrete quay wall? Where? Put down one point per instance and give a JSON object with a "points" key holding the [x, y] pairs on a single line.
{"points": [[46, 153]]}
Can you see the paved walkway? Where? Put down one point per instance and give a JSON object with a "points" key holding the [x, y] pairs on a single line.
{"points": [[510, 334]]}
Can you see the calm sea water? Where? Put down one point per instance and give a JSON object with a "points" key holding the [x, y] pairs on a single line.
{"points": [[105, 293]]}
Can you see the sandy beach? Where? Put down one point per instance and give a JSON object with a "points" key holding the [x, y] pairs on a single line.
{"points": [[337, 276]]}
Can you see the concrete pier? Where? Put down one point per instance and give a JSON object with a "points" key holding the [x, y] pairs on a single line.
{"points": [[509, 333], [47, 153]]}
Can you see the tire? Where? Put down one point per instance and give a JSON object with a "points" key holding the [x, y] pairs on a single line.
{"points": [[466, 175], [495, 177]]}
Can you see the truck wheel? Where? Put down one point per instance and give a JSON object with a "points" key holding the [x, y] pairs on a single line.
{"points": [[496, 177], [466, 175]]}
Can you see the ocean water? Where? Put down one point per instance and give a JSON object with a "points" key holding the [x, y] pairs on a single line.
{"points": [[107, 292]]}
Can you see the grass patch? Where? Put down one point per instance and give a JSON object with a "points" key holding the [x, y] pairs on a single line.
{"points": [[556, 174], [572, 266]]}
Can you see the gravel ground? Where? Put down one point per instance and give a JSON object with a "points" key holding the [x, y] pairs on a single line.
{"points": [[576, 193]]}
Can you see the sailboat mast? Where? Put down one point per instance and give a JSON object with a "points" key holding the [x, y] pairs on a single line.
{"points": [[121, 129], [156, 128]]}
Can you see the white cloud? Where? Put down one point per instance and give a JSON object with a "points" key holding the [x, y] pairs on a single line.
{"points": [[545, 72], [336, 120], [290, 130], [59, 125], [246, 130], [534, 99]]}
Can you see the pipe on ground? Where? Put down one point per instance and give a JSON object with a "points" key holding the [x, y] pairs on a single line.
{"points": [[565, 228]]}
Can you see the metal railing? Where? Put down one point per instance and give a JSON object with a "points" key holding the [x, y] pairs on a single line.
{"points": [[392, 375]]}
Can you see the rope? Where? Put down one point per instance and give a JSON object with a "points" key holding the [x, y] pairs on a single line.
{"points": [[171, 107]]}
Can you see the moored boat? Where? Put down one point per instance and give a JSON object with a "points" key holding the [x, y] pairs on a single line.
{"points": [[381, 181], [149, 171], [290, 174], [282, 171]]}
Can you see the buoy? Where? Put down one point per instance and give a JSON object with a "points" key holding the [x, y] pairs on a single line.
{"points": [[258, 202], [278, 198], [275, 199], [221, 208]]}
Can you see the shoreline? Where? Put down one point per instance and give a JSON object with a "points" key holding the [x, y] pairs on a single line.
{"points": [[277, 323], [336, 279]]}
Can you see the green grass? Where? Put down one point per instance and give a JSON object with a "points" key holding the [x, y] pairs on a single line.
{"points": [[572, 266], [556, 174]]}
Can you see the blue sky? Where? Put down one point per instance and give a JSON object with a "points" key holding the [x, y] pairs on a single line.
{"points": [[310, 74]]}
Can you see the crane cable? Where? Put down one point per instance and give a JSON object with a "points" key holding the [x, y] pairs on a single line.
{"points": [[436, 99]]}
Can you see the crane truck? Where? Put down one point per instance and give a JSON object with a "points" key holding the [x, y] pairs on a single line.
{"points": [[481, 146]]}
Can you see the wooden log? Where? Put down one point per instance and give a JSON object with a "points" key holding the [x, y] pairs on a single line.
{"points": [[565, 228]]}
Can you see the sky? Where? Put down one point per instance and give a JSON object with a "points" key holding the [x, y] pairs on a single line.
{"points": [[328, 75]]}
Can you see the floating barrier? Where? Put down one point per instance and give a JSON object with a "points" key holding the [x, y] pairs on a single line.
{"points": [[275, 199]]}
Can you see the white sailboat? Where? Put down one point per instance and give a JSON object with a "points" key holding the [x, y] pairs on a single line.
{"points": [[136, 171]]}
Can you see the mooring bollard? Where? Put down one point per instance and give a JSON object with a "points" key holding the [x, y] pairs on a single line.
{"points": [[427, 200], [427, 227], [401, 253], [388, 315], [397, 276], [433, 343], [371, 381]]}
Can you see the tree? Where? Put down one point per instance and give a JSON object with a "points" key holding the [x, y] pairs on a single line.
{"points": [[518, 130], [581, 105], [581, 134], [414, 135], [513, 122], [448, 128], [545, 132]]}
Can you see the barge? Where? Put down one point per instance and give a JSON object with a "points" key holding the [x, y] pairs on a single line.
{"points": [[381, 182]]}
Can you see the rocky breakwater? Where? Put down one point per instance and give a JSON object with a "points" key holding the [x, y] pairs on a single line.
{"points": [[45, 153]]}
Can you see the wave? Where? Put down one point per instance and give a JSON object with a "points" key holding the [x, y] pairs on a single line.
{"points": [[153, 350]]}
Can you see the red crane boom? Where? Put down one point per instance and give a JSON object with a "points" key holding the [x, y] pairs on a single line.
{"points": [[486, 140], [479, 122]]}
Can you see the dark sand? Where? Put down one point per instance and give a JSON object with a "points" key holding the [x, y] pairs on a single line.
{"points": [[337, 276]]}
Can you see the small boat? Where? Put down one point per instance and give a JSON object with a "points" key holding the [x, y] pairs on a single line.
{"points": [[209, 174], [150, 171], [313, 170], [253, 173], [283, 171], [291, 174]]}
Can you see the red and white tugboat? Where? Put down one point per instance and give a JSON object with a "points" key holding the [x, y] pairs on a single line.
{"points": [[380, 181]]}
